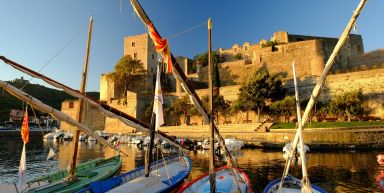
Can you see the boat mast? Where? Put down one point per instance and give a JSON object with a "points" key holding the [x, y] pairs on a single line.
{"points": [[212, 174], [81, 103], [179, 75], [148, 155]]}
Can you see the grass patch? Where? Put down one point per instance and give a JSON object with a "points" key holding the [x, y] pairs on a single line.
{"points": [[329, 124]]}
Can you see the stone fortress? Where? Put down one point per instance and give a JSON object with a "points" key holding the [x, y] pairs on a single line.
{"points": [[352, 70]]}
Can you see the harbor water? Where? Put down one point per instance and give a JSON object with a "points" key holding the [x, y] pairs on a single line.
{"points": [[334, 171]]}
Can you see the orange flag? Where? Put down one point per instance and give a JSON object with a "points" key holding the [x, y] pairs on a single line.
{"points": [[24, 128]]}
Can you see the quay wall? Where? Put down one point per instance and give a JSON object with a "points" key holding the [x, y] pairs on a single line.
{"points": [[341, 137]]}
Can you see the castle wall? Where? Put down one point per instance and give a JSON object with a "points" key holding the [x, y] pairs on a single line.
{"points": [[306, 54], [92, 117], [309, 53], [371, 82], [368, 60], [116, 126]]}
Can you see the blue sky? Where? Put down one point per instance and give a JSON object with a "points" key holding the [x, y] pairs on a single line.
{"points": [[32, 32]]}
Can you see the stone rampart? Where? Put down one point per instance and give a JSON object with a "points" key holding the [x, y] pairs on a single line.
{"points": [[368, 60], [92, 117], [330, 138], [371, 82]]}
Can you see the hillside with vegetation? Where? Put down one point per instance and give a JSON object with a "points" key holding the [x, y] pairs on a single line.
{"points": [[49, 96]]}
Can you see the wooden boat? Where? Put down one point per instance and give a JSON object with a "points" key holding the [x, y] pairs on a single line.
{"points": [[228, 179], [165, 176], [290, 185], [91, 171]]}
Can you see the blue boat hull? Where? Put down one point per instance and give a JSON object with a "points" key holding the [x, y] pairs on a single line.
{"points": [[292, 184], [136, 182]]}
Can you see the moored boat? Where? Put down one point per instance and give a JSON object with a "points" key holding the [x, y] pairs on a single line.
{"points": [[165, 176], [290, 185], [94, 170], [228, 179]]}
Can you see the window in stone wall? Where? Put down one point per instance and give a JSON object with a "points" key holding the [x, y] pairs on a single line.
{"points": [[70, 105], [235, 50], [245, 48], [153, 56], [133, 44], [358, 48], [135, 55]]}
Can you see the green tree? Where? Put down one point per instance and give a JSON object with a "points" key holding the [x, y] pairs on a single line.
{"points": [[127, 71], [241, 105], [220, 106], [258, 90], [284, 108], [348, 105], [181, 106], [202, 59], [238, 57]]}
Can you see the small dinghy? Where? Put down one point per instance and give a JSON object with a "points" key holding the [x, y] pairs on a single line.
{"points": [[165, 176], [291, 185], [228, 179]]}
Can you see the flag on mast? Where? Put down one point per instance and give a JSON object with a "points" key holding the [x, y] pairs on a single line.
{"points": [[23, 161], [158, 102], [24, 128]]}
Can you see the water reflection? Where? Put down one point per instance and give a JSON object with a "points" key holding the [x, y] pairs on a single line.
{"points": [[333, 171]]}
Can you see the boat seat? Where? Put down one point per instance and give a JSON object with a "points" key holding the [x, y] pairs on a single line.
{"points": [[174, 179], [223, 184], [86, 174]]}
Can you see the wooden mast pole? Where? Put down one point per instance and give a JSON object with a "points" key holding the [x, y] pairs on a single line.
{"points": [[316, 91], [148, 155], [81, 102], [212, 174]]}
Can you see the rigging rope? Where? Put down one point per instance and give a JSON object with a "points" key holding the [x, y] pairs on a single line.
{"points": [[166, 167], [187, 30], [55, 55]]}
